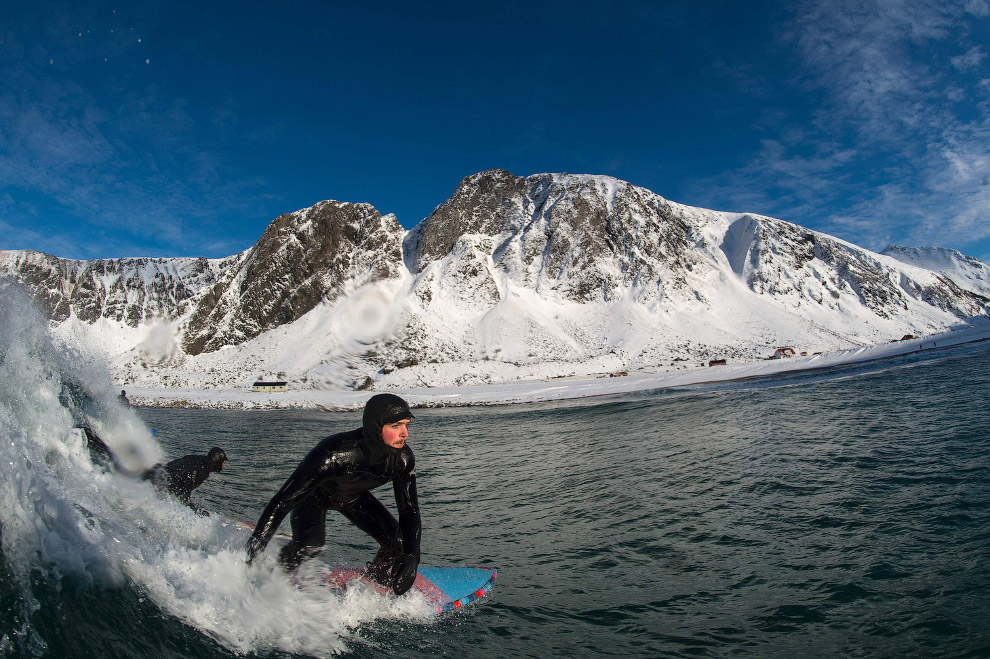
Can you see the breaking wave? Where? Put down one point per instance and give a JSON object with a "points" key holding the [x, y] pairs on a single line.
{"points": [[83, 538]]}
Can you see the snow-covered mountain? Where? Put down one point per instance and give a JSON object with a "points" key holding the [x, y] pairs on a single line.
{"points": [[512, 277], [131, 292], [303, 258], [965, 271]]}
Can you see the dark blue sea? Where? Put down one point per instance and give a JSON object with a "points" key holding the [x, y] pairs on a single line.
{"points": [[844, 513]]}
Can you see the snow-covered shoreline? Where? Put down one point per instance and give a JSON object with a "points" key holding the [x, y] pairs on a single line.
{"points": [[544, 390]]}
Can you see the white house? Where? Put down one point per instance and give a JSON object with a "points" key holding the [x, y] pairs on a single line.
{"points": [[261, 385]]}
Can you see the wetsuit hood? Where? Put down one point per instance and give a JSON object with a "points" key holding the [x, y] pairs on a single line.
{"points": [[379, 411], [217, 457]]}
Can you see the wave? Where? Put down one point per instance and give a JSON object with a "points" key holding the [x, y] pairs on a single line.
{"points": [[94, 561]]}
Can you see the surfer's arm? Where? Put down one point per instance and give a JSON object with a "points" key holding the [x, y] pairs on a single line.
{"points": [[314, 469], [407, 504]]}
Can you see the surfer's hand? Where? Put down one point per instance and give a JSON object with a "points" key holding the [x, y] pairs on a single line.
{"points": [[254, 545], [404, 572]]}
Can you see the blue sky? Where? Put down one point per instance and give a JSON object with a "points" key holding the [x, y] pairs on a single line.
{"points": [[183, 129]]}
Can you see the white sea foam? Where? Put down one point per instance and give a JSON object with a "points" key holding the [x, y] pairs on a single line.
{"points": [[71, 518]]}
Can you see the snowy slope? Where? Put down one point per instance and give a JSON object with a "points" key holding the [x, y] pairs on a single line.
{"points": [[965, 271], [518, 277], [512, 278]]}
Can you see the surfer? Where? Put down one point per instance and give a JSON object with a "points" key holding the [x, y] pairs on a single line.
{"points": [[178, 477], [183, 475], [98, 449], [339, 474]]}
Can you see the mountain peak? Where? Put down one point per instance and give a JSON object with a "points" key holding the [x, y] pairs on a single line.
{"points": [[303, 258], [965, 271], [511, 277]]}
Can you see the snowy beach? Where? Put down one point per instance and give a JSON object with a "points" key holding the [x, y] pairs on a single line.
{"points": [[550, 389]]}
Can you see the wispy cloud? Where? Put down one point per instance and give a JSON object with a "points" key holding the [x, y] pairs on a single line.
{"points": [[902, 129], [971, 60]]}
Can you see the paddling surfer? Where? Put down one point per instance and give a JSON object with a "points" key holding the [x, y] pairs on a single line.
{"points": [[339, 474]]}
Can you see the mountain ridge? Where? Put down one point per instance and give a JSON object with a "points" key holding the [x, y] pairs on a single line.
{"points": [[511, 277]]}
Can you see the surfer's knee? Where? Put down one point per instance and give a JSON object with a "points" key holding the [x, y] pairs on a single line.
{"points": [[292, 555], [387, 553]]}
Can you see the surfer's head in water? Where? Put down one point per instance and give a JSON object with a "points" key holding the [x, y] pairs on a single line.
{"points": [[217, 458], [387, 417]]}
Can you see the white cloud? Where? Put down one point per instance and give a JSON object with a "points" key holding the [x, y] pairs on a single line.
{"points": [[914, 167], [978, 8], [971, 60]]}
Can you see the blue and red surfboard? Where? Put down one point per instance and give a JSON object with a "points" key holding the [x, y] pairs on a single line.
{"points": [[444, 588]]}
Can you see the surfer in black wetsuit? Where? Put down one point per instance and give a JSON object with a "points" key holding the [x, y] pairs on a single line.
{"points": [[97, 447], [183, 475], [178, 477], [339, 474]]}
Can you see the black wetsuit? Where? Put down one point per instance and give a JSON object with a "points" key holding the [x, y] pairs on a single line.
{"points": [[97, 447], [183, 475], [338, 474]]}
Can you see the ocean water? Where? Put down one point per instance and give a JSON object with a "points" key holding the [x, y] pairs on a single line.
{"points": [[837, 513]]}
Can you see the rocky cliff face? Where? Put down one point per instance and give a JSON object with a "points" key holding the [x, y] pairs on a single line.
{"points": [[551, 268], [589, 239], [574, 267], [786, 261], [305, 257], [126, 291], [579, 238], [964, 271]]}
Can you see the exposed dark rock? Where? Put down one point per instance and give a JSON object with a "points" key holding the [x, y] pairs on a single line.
{"points": [[302, 258], [570, 239]]}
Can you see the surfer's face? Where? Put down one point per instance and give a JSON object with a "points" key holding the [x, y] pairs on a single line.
{"points": [[395, 434]]}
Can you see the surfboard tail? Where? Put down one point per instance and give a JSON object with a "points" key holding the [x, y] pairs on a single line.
{"points": [[449, 588]]}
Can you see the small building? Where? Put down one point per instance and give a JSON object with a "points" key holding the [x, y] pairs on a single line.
{"points": [[262, 385], [784, 353], [716, 362], [908, 337]]}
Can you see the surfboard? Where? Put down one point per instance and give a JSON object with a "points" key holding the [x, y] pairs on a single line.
{"points": [[444, 588]]}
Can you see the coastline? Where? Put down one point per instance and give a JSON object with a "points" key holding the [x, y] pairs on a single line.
{"points": [[546, 390]]}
